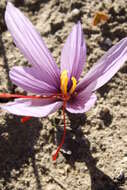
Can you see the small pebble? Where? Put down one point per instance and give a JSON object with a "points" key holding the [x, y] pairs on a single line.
{"points": [[108, 42], [75, 12]]}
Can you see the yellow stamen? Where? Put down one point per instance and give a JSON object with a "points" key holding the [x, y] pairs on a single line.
{"points": [[74, 84], [64, 82]]}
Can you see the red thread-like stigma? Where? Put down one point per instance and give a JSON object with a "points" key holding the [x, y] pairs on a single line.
{"points": [[54, 156], [8, 96], [25, 119]]}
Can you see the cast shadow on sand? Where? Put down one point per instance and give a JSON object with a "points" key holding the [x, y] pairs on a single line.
{"points": [[17, 142], [80, 152], [5, 65]]}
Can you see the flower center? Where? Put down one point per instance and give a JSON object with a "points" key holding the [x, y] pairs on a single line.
{"points": [[64, 83], [64, 96]]}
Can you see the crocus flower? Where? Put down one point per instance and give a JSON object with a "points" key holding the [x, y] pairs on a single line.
{"points": [[53, 87]]}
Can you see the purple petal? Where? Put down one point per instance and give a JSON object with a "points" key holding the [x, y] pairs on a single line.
{"points": [[81, 106], [74, 53], [26, 78], [33, 108], [83, 101], [30, 43], [106, 67]]}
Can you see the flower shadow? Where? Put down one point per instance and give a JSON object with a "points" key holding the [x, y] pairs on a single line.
{"points": [[5, 66], [80, 152], [17, 142]]}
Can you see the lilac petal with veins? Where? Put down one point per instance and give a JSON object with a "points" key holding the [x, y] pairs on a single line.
{"points": [[74, 53], [106, 67], [83, 101], [30, 43], [81, 106], [33, 108], [26, 78]]}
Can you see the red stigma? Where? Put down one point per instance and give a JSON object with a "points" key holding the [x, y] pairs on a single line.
{"points": [[25, 119], [54, 156]]}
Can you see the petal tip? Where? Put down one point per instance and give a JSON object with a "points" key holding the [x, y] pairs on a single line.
{"points": [[79, 23], [9, 5]]}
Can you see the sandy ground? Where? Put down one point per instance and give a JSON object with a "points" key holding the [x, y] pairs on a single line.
{"points": [[94, 156]]}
